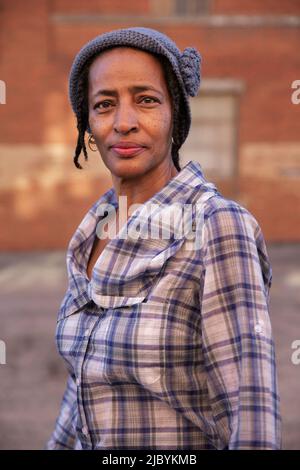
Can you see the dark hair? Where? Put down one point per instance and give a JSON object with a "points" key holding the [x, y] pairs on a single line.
{"points": [[82, 112]]}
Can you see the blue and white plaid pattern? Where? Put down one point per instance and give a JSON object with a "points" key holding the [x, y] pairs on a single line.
{"points": [[168, 347]]}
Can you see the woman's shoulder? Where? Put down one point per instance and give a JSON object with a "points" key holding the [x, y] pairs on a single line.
{"points": [[231, 231], [222, 215]]}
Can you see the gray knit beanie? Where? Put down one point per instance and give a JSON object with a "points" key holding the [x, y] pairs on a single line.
{"points": [[186, 66]]}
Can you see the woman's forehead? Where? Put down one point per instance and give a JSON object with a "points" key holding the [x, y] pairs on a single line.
{"points": [[123, 64]]}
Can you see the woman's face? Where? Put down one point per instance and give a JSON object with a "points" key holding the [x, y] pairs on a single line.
{"points": [[129, 106]]}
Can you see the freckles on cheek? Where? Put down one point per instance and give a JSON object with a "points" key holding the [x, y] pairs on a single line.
{"points": [[97, 125], [161, 124]]}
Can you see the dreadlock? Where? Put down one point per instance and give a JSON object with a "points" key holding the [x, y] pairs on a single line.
{"points": [[82, 113]]}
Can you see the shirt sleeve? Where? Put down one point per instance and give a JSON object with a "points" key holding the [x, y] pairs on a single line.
{"points": [[63, 436], [238, 347]]}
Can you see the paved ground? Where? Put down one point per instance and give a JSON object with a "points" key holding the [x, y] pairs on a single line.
{"points": [[33, 379]]}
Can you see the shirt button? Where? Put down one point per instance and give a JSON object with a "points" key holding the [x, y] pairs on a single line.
{"points": [[77, 382], [85, 430], [259, 327]]}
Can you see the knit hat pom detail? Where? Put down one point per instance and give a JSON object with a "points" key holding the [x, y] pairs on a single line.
{"points": [[190, 63]]}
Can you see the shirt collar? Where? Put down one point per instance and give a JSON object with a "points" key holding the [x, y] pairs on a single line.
{"points": [[124, 272]]}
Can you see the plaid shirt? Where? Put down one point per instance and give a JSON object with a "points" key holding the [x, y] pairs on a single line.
{"points": [[168, 347]]}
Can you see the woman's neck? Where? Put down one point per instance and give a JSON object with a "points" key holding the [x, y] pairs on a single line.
{"points": [[138, 191]]}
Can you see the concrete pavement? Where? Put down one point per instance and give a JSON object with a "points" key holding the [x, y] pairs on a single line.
{"points": [[32, 286]]}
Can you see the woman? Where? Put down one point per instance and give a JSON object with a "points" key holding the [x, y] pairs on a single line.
{"points": [[167, 339]]}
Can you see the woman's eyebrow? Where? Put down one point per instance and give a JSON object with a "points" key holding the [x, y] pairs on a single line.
{"points": [[138, 88], [106, 93], [132, 89]]}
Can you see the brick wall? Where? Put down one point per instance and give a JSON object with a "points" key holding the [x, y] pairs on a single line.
{"points": [[43, 196]]}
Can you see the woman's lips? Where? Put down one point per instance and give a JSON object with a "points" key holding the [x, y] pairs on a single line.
{"points": [[127, 151]]}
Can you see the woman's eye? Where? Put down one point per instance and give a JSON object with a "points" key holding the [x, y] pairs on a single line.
{"points": [[149, 100], [102, 105]]}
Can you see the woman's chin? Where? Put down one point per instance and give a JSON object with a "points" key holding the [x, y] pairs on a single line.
{"points": [[127, 167]]}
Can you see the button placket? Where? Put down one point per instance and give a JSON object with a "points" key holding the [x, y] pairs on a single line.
{"points": [[85, 342]]}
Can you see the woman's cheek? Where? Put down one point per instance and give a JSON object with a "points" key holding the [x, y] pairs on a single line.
{"points": [[100, 127], [162, 124]]}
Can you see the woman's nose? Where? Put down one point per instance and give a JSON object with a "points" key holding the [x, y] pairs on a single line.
{"points": [[125, 119]]}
